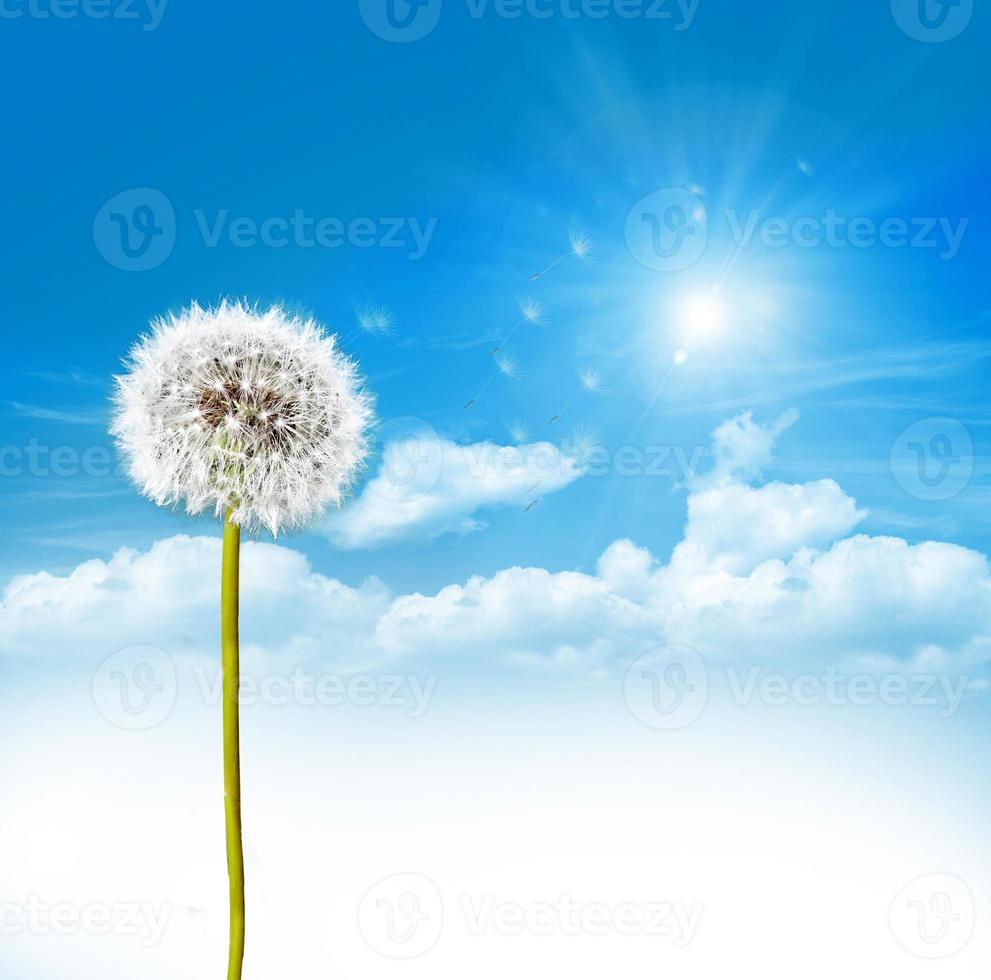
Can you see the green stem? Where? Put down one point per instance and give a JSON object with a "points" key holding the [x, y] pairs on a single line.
{"points": [[232, 750]]}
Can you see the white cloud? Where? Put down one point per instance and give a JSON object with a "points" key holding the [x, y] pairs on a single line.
{"points": [[427, 486], [167, 597], [762, 572], [742, 448]]}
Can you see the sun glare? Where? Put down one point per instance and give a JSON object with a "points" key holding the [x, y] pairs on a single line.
{"points": [[701, 315]]}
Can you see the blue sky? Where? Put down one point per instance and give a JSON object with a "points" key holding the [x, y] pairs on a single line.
{"points": [[783, 466], [503, 132]]}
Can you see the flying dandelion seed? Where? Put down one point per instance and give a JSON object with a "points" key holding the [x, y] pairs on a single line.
{"points": [[507, 366], [531, 505], [581, 444], [534, 487], [373, 320], [590, 381], [805, 167], [531, 312], [518, 430], [580, 246]]}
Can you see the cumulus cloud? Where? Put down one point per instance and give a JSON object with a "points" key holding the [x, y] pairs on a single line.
{"points": [[427, 486], [167, 597], [766, 571]]}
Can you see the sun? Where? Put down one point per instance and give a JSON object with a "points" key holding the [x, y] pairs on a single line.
{"points": [[700, 315]]}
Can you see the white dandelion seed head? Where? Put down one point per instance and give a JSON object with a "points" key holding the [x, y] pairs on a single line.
{"points": [[507, 365], [591, 379], [518, 430], [581, 244], [533, 311], [236, 408], [374, 319]]}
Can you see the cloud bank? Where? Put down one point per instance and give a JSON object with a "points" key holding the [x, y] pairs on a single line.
{"points": [[764, 571]]}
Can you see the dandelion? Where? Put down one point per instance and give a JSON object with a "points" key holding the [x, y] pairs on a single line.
{"points": [[518, 430], [580, 246], [590, 380], [257, 416], [531, 312], [507, 366]]}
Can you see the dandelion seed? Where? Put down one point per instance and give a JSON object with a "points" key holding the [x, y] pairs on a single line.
{"points": [[580, 246], [532, 312], [530, 506], [374, 319], [518, 430], [590, 380], [534, 487], [582, 443], [805, 167], [507, 366]]}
